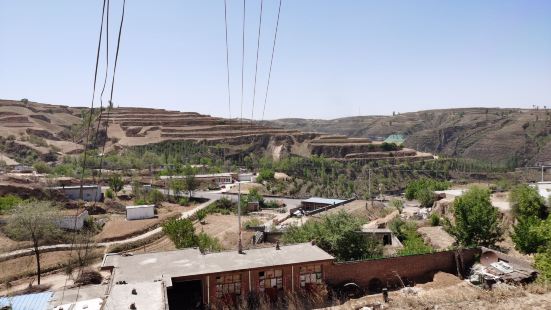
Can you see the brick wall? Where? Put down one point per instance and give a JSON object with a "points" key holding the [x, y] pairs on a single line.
{"points": [[387, 272]]}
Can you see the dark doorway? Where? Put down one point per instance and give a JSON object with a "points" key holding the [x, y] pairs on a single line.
{"points": [[185, 295], [375, 286]]}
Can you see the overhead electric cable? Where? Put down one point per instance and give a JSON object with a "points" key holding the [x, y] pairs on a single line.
{"points": [[256, 66], [87, 140], [271, 61], [227, 57], [89, 122], [243, 60], [110, 106], [106, 73]]}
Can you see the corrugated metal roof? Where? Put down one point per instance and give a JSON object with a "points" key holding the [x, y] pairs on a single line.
{"points": [[38, 301]]}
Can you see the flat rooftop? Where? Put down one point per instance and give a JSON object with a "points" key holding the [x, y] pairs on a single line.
{"points": [[327, 201], [76, 187], [140, 207], [189, 262]]}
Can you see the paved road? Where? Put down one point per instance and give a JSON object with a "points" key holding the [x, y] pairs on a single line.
{"points": [[59, 247]]}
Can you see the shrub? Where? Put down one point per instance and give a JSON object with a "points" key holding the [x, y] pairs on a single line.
{"points": [[206, 243], [434, 219], [201, 215], [109, 193], [155, 197], [181, 232], [184, 201], [42, 167], [398, 204], [8, 202], [265, 174], [252, 222], [89, 276]]}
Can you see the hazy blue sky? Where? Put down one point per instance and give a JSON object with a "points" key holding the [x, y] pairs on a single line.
{"points": [[333, 58]]}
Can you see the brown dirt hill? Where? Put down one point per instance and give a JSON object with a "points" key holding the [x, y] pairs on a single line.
{"points": [[507, 136], [42, 128]]}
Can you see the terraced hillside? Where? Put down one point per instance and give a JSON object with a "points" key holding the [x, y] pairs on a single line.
{"points": [[514, 137], [45, 128]]}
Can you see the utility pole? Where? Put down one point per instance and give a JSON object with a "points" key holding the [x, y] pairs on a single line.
{"points": [[369, 187], [239, 245]]}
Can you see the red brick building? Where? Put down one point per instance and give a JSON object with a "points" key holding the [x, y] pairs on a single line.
{"points": [[190, 277]]}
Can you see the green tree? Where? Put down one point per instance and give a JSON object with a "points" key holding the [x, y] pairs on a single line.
{"points": [[476, 220], [527, 234], [181, 232], [337, 234], [542, 261], [526, 201], [34, 221], [190, 183], [116, 183], [177, 186]]}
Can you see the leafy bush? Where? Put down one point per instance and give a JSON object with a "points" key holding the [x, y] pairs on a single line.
{"points": [[398, 204], [423, 189], [434, 219], [116, 183], [181, 232], [543, 264], [155, 197], [265, 174], [109, 193], [8, 202], [385, 146], [42, 167], [406, 232], [201, 214], [252, 222], [184, 201], [206, 243]]}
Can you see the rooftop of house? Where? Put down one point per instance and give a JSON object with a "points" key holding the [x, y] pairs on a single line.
{"points": [[140, 207], [36, 301], [199, 176], [76, 187], [189, 262], [327, 201]]}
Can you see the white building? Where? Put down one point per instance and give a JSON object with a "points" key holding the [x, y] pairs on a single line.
{"points": [[246, 177], [72, 221], [89, 192], [140, 212]]}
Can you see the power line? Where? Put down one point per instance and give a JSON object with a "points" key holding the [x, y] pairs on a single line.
{"points": [[106, 71], [89, 123], [271, 60], [243, 60], [256, 66], [227, 57]]}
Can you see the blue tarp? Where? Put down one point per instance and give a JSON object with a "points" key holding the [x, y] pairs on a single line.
{"points": [[38, 301]]}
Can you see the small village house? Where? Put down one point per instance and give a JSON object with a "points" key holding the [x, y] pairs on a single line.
{"points": [[73, 219], [89, 192], [140, 212]]}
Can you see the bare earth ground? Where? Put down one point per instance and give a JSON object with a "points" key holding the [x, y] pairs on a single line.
{"points": [[449, 292], [118, 227], [7, 244], [436, 236], [224, 227], [27, 265]]}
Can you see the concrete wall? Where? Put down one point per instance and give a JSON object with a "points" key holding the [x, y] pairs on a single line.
{"points": [[140, 213], [389, 271], [88, 194], [73, 222]]}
